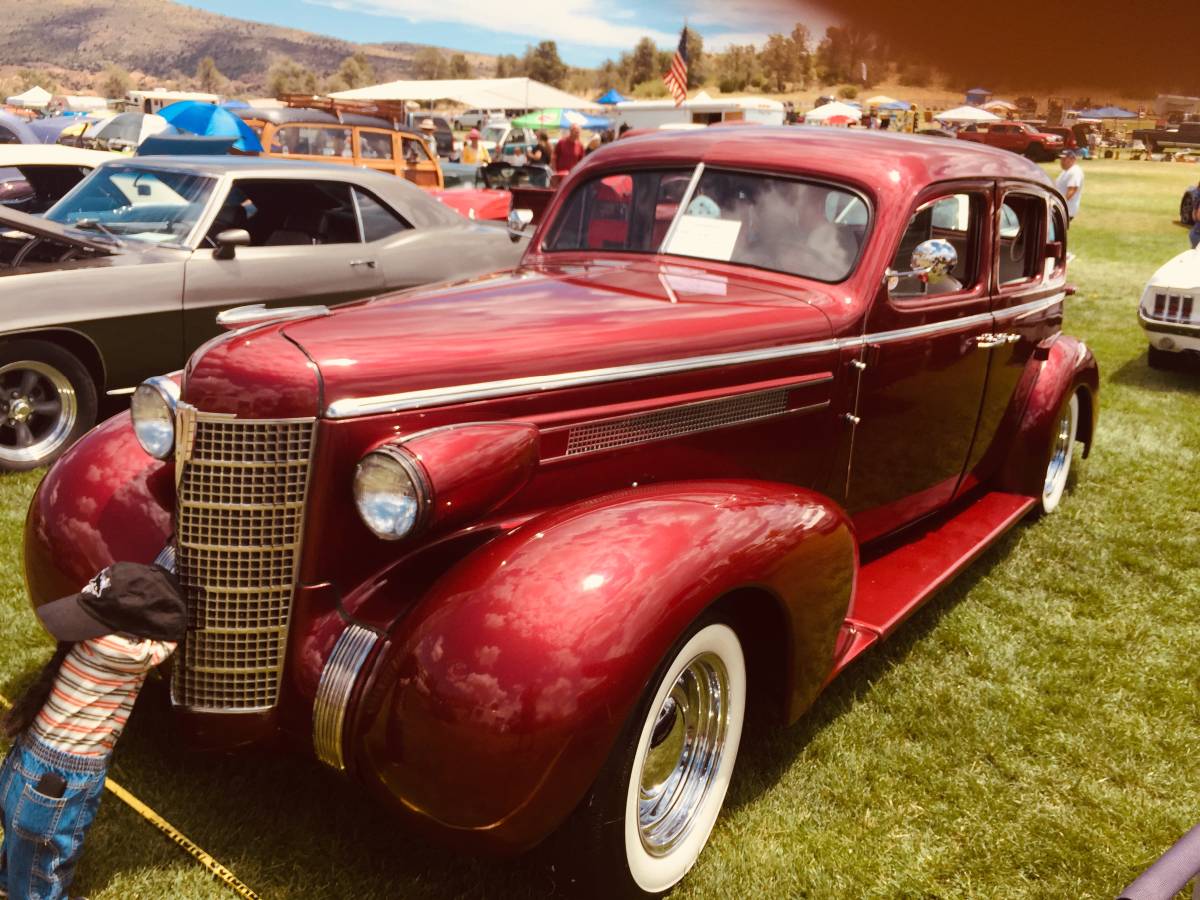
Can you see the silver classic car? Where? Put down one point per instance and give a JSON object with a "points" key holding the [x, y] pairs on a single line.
{"points": [[127, 273]]}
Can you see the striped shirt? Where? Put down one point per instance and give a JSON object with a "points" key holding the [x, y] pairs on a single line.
{"points": [[94, 692]]}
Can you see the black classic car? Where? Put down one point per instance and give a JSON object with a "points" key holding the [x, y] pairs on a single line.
{"points": [[127, 273]]}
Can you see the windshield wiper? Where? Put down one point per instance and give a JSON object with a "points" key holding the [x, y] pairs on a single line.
{"points": [[97, 225]]}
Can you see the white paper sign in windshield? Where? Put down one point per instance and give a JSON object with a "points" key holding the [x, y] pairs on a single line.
{"points": [[704, 238]]}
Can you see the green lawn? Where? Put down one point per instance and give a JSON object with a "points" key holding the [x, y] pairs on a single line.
{"points": [[1033, 732]]}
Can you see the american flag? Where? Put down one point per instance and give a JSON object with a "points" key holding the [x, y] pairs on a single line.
{"points": [[676, 77]]}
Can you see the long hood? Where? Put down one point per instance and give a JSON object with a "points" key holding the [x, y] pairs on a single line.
{"points": [[546, 321]]}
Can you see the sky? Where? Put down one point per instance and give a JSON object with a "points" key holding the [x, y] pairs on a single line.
{"points": [[587, 31]]}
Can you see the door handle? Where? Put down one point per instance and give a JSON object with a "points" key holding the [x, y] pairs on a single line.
{"points": [[369, 263]]}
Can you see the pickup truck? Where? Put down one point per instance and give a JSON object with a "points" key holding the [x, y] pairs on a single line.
{"points": [[1019, 137], [1184, 136]]}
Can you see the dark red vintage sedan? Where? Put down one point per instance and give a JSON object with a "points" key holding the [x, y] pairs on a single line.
{"points": [[515, 552]]}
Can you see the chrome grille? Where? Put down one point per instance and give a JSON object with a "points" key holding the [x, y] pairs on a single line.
{"points": [[688, 418], [242, 486]]}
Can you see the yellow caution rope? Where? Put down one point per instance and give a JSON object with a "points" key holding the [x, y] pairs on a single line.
{"points": [[205, 859]]}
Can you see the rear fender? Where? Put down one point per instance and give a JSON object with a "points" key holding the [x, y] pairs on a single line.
{"points": [[498, 698], [1068, 367], [105, 500]]}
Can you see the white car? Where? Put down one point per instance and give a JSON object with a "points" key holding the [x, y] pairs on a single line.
{"points": [[1170, 309], [34, 176], [477, 118]]}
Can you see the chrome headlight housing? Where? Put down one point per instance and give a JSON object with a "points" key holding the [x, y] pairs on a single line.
{"points": [[391, 493], [153, 408]]}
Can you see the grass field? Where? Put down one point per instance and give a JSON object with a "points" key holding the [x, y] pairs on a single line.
{"points": [[1032, 732]]}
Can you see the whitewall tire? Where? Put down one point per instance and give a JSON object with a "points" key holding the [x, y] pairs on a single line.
{"points": [[1062, 447]]}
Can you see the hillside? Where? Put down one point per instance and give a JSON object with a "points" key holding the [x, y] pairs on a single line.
{"points": [[163, 40]]}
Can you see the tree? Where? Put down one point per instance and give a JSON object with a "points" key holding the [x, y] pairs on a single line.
{"points": [[459, 67], [844, 51], [542, 63], [355, 71], [286, 76], [785, 60], [428, 63], [696, 59], [114, 83], [209, 77], [508, 66], [737, 68], [644, 64]]}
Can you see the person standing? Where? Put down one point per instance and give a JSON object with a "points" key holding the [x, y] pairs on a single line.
{"points": [[1070, 182], [1194, 234], [473, 152], [542, 152], [568, 151], [429, 132], [123, 623]]}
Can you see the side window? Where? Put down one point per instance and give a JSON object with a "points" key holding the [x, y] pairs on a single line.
{"points": [[375, 144], [311, 140], [957, 218], [287, 212], [378, 221], [1022, 218], [416, 150]]}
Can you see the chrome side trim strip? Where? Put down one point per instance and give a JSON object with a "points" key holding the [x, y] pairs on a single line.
{"points": [[488, 390], [345, 409], [333, 693]]}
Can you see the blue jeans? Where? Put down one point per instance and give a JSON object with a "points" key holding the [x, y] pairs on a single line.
{"points": [[1194, 234], [43, 835]]}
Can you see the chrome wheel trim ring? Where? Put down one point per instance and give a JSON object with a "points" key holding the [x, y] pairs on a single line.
{"points": [[53, 434], [1059, 467], [687, 745]]}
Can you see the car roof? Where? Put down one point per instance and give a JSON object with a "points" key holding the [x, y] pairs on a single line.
{"points": [[885, 163], [301, 116], [52, 154]]}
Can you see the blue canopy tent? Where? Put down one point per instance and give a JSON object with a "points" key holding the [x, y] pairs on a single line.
{"points": [[611, 98], [207, 120], [978, 96], [1107, 112]]}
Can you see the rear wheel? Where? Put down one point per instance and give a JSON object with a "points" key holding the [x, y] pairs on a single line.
{"points": [[652, 808], [1062, 448], [47, 402]]}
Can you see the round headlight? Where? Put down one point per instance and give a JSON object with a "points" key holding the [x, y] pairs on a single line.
{"points": [[390, 493], [153, 410]]}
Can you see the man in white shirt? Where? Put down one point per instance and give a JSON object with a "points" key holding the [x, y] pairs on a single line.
{"points": [[1070, 182]]}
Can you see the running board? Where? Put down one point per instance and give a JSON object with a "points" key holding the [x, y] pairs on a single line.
{"points": [[908, 569]]}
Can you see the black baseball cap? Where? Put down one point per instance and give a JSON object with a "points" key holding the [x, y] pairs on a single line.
{"points": [[126, 598]]}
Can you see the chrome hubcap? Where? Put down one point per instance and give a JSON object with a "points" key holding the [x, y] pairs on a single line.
{"points": [[1061, 455], [686, 748], [38, 411]]}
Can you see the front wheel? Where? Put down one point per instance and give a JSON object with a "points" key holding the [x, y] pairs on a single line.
{"points": [[47, 402], [1061, 451], [649, 814]]}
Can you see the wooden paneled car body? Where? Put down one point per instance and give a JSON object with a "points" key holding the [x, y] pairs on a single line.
{"points": [[513, 553]]}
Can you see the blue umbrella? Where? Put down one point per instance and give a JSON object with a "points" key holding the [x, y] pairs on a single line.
{"points": [[612, 98], [205, 119]]}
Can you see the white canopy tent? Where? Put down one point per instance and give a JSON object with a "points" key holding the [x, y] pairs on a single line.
{"points": [[478, 93], [34, 98], [961, 114], [832, 110]]}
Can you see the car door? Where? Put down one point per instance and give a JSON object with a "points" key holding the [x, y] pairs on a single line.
{"points": [[305, 247], [1028, 289], [924, 369]]}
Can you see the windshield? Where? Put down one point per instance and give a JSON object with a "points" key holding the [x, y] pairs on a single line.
{"points": [[786, 225], [493, 133], [131, 202]]}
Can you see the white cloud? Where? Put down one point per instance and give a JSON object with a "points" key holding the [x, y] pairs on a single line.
{"points": [[584, 22], [718, 42]]}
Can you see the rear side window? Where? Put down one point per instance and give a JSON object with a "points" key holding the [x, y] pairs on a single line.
{"points": [[312, 140], [378, 221], [375, 145], [1022, 219]]}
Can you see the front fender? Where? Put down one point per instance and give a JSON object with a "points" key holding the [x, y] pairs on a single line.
{"points": [[1068, 366], [501, 694], [105, 500]]}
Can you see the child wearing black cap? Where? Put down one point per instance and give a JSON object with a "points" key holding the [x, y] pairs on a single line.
{"points": [[127, 620]]}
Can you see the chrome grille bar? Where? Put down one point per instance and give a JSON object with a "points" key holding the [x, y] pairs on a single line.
{"points": [[242, 485]]}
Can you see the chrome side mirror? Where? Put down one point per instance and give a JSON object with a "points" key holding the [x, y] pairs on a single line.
{"points": [[518, 221], [934, 260]]}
